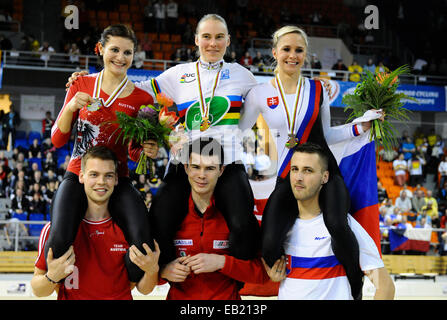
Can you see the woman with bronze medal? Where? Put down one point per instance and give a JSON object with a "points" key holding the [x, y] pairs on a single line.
{"points": [[91, 104], [297, 109]]}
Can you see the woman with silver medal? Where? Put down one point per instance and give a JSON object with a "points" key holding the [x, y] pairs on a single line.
{"points": [[94, 117], [298, 110]]}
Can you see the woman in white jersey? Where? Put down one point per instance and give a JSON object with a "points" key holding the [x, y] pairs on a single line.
{"points": [[297, 109], [209, 95]]}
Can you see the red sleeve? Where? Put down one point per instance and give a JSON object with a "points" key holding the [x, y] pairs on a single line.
{"points": [[40, 261], [43, 126], [251, 271], [134, 150], [57, 137]]}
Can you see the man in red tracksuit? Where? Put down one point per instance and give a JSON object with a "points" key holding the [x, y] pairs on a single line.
{"points": [[203, 270]]}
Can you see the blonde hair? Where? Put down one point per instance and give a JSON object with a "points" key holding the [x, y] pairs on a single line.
{"points": [[210, 16], [286, 30]]}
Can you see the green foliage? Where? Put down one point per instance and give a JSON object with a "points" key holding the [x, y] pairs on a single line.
{"points": [[379, 92]]}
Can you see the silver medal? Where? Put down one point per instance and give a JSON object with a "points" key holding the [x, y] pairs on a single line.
{"points": [[96, 104]]}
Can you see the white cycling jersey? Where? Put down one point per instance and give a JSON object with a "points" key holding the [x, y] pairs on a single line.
{"points": [[180, 83], [263, 99]]}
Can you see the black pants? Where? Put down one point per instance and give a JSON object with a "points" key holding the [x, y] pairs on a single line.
{"points": [[234, 199], [126, 207], [281, 212]]}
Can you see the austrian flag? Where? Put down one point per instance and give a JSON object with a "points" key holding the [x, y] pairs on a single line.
{"points": [[272, 102]]}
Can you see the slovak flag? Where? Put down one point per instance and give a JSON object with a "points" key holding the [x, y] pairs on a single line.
{"points": [[357, 162], [272, 102], [417, 239]]}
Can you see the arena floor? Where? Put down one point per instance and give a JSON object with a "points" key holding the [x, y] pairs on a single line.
{"points": [[17, 287]]}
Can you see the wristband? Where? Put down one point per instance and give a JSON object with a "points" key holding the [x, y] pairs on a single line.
{"points": [[48, 278]]}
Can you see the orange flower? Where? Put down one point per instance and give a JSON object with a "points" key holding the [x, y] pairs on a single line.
{"points": [[382, 76], [166, 118], [164, 100]]}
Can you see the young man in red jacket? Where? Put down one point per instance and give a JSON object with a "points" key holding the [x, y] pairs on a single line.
{"points": [[203, 270]]}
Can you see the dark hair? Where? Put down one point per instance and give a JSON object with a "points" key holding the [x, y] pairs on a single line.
{"points": [[99, 152], [118, 30], [206, 146], [311, 148]]}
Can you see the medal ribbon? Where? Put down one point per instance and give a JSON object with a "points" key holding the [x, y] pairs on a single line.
{"points": [[290, 122], [115, 94], [205, 107]]}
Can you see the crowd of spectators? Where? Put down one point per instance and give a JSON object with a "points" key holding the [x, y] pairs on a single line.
{"points": [[420, 170], [29, 178]]}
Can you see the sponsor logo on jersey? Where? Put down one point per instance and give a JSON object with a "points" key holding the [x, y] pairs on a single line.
{"points": [[220, 244], [272, 102], [96, 233], [219, 107], [225, 74], [187, 77], [320, 238], [183, 242]]}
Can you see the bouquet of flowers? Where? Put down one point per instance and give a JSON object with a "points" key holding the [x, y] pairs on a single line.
{"points": [[379, 92], [152, 122]]}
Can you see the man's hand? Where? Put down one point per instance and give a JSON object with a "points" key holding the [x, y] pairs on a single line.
{"points": [[150, 148], [277, 272], [74, 77], [147, 262], [61, 267], [205, 262], [175, 271]]}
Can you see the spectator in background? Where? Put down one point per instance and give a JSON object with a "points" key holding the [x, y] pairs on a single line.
{"points": [[431, 211], [356, 71], [418, 200], [381, 68], [139, 57], [160, 16], [246, 61], [233, 57], [442, 197], [148, 199], [172, 15], [388, 206], [146, 45], [381, 192], [423, 221], [11, 121], [403, 202], [442, 170], [400, 170], [35, 149], [74, 54], [420, 66], [258, 61], [429, 197], [370, 66], [415, 168], [315, 62], [45, 52], [3, 182], [19, 204], [37, 204], [408, 148], [47, 124], [340, 66], [407, 191]]}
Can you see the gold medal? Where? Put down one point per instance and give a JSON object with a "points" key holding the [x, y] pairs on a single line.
{"points": [[205, 124], [292, 141]]}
